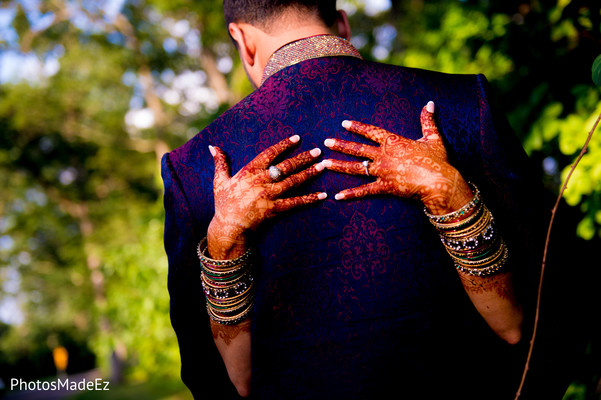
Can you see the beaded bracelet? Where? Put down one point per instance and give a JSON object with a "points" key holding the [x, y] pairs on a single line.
{"points": [[488, 270], [229, 294], [477, 253], [492, 258], [470, 243], [227, 285], [226, 303], [470, 238]]}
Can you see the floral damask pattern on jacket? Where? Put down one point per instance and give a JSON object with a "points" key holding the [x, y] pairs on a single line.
{"points": [[363, 247], [353, 297], [273, 103]]}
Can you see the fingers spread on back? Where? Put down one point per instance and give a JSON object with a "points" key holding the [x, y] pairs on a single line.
{"points": [[371, 132], [266, 157]]}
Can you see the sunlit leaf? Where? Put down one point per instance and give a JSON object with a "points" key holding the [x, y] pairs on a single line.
{"points": [[597, 71]]}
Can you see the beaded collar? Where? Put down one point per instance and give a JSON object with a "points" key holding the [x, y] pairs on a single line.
{"points": [[306, 49]]}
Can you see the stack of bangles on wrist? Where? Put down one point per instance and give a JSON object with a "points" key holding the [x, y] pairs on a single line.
{"points": [[227, 285], [470, 237]]}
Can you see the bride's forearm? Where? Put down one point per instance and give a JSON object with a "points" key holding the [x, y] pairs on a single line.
{"points": [[225, 241], [233, 343]]}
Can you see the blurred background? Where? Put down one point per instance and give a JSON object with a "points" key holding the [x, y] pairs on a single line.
{"points": [[94, 92]]}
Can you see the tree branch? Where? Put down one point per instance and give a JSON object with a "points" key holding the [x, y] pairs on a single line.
{"points": [[544, 262]]}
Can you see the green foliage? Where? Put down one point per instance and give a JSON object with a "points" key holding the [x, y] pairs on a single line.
{"points": [[462, 42], [568, 131], [74, 170], [596, 70], [551, 108], [135, 268]]}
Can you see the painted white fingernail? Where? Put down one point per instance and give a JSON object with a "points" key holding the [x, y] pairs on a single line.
{"points": [[319, 167], [326, 163], [212, 150], [328, 142], [315, 152], [322, 196], [339, 196], [346, 124], [295, 138], [430, 107]]}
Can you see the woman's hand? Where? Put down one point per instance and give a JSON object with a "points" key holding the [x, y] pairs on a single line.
{"points": [[242, 203], [420, 168], [251, 196], [403, 167]]}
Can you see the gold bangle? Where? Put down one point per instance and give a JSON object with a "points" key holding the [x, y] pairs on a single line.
{"points": [[227, 283], [231, 320], [475, 252], [478, 263], [218, 294], [482, 219], [477, 213], [486, 271], [220, 265], [230, 304], [452, 216]]}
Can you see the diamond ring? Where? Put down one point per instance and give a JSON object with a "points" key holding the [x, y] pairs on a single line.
{"points": [[275, 173]]}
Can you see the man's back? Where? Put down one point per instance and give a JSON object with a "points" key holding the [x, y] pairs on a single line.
{"points": [[354, 298]]}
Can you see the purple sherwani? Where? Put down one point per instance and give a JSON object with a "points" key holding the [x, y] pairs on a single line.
{"points": [[354, 298]]}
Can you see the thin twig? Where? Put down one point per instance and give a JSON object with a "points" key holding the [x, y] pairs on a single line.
{"points": [[542, 272]]}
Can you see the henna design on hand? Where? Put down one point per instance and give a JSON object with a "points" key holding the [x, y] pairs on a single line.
{"points": [[420, 168], [403, 167], [245, 200]]}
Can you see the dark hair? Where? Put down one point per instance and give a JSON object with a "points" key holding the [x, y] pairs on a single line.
{"points": [[258, 12]]}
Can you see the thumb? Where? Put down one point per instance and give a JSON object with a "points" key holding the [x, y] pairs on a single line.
{"points": [[429, 128], [222, 169]]}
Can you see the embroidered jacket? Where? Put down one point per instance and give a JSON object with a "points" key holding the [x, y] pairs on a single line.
{"points": [[354, 298]]}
